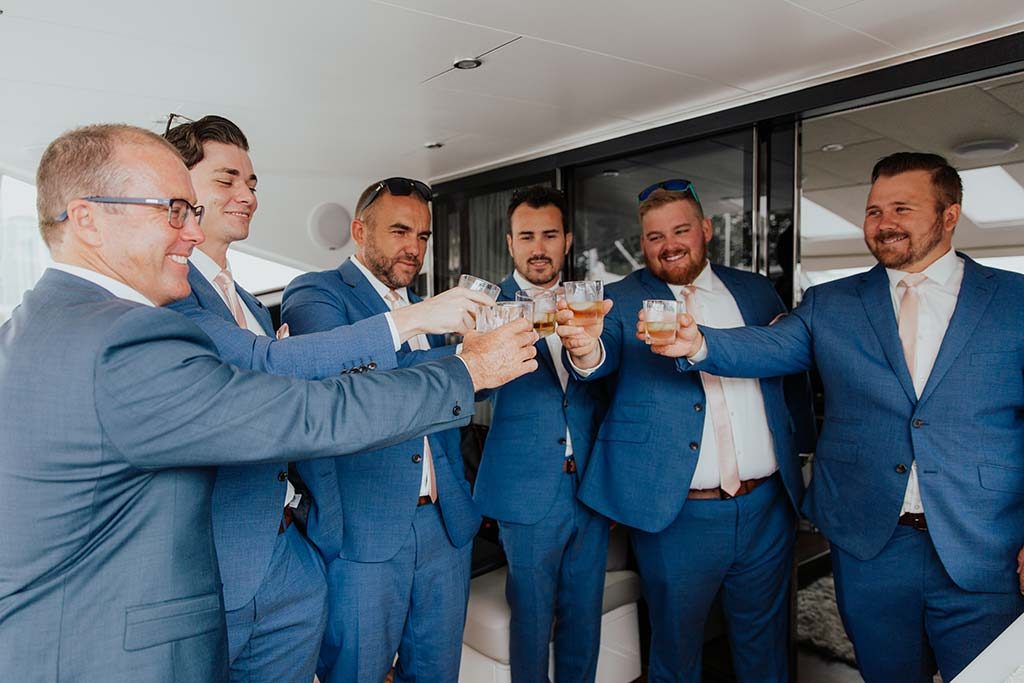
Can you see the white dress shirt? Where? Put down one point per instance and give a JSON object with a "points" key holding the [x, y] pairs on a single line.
{"points": [[937, 296], [416, 343], [554, 343], [115, 287], [210, 270], [755, 449]]}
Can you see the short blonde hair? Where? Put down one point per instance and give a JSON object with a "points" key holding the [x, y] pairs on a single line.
{"points": [[81, 163], [661, 197]]}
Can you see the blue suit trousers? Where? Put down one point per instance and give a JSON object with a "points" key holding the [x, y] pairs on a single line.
{"points": [[556, 574], [414, 603], [275, 637], [901, 608], [741, 547]]}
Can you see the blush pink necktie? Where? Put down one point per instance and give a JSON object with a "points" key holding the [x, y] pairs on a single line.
{"points": [[910, 306], [714, 393], [396, 301], [227, 287]]}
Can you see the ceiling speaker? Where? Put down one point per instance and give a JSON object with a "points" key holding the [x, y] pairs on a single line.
{"points": [[330, 225]]}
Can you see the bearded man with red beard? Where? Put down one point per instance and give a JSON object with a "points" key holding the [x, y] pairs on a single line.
{"points": [[706, 472]]}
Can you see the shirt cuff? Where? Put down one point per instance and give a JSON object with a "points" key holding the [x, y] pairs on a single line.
{"points": [[395, 339], [588, 372], [701, 354]]}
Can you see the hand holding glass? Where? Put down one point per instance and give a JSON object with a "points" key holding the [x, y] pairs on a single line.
{"points": [[660, 320]]}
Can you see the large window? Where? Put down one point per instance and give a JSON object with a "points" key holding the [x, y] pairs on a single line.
{"points": [[607, 232], [23, 256]]}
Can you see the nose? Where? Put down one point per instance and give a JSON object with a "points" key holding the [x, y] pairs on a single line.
{"points": [[192, 232]]}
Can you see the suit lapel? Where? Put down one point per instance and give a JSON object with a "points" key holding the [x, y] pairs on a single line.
{"points": [[509, 287], [877, 300], [976, 292], [740, 293], [206, 295], [258, 310], [366, 296], [657, 288]]}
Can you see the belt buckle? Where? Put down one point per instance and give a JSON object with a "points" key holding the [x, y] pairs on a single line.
{"points": [[569, 465]]}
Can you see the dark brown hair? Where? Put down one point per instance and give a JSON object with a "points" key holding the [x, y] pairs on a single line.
{"points": [[188, 138], [946, 181], [537, 197]]}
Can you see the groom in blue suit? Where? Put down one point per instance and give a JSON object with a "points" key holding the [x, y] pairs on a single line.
{"points": [[706, 473], [542, 430], [275, 591], [394, 526], [919, 472]]}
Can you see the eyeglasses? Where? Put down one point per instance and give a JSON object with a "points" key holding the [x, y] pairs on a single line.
{"points": [[673, 185], [170, 121], [178, 210], [400, 187]]}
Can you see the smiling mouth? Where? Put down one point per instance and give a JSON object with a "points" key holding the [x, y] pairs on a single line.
{"points": [[179, 259], [891, 238], [240, 214], [672, 258]]}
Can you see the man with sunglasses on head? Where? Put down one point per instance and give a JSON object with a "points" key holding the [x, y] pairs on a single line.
{"points": [[395, 526], [706, 473], [274, 586], [116, 412]]}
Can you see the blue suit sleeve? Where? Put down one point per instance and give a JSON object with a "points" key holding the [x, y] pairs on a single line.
{"points": [[309, 307], [784, 348], [315, 356], [611, 338], [407, 359]]}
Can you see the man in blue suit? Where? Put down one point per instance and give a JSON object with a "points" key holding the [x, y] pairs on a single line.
{"points": [[274, 587], [115, 410], [706, 472], [918, 475], [394, 526], [541, 434]]}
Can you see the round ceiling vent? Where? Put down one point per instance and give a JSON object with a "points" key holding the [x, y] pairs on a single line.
{"points": [[330, 226], [979, 149]]}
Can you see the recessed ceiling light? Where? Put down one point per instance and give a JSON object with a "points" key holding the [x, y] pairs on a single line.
{"points": [[832, 147], [433, 145], [610, 173], [466, 63], [980, 149]]}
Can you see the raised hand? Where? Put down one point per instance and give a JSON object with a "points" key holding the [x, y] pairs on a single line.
{"points": [[450, 311], [581, 340], [688, 341], [499, 356]]}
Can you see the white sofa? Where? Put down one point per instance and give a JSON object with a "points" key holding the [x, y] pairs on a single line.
{"points": [[485, 649]]}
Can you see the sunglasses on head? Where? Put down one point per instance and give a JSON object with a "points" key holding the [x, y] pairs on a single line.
{"points": [[673, 185], [399, 187]]}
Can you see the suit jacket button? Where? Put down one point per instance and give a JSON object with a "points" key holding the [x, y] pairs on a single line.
{"points": [[282, 476], [417, 458], [565, 403], [694, 446], [562, 441], [372, 365], [901, 469], [697, 407], [457, 410], [918, 423]]}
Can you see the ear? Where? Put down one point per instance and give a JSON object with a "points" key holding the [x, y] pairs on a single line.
{"points": [[950, 217], [81, 223], [358, 231], [706, 228], [508, 243], [568, 242]]}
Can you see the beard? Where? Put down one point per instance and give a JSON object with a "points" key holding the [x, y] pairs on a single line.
{"points": [[682, 272], [386, 268], [917, 248], [538, 277]]}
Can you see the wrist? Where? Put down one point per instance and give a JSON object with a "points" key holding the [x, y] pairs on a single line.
{"points": [[407, 322]]}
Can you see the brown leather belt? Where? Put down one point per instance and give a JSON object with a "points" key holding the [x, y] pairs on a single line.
{"points": [[423, 500], [569, 465], [287, 519], [914, 519], [718, 494]]}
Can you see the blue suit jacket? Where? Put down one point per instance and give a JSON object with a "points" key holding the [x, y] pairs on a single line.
{"points": [[966, 431], [648, 446], [521, 466], [364, 504], [112, 417], [247, 500]]}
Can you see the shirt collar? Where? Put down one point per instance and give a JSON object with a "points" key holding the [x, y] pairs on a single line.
{"points": [[939, 272], [705, 281], [525, 284], [378, 286], [115, 287], [206, 265]]}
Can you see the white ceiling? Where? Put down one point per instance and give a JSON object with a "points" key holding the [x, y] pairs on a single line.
{"points": [[352, 90]]}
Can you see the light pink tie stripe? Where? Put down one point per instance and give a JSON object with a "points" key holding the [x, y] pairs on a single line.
{"points": [[227, 286], [728, 469], [397, 301], [910, 306]]}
